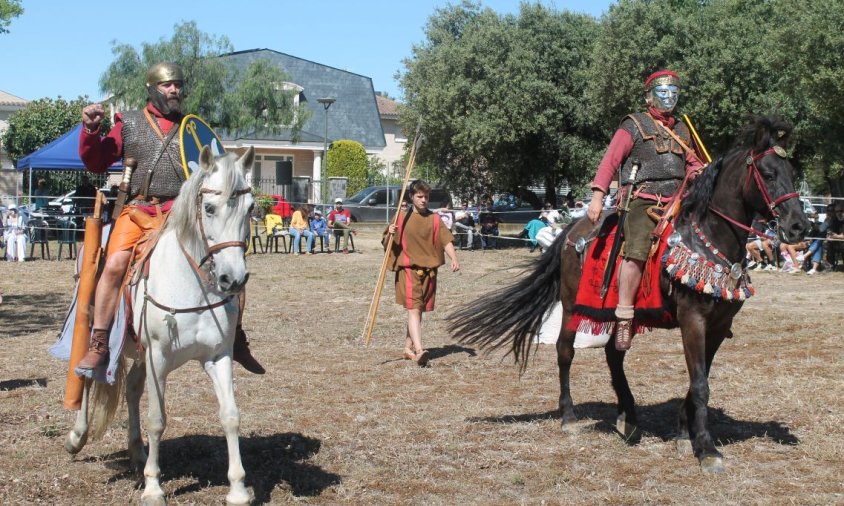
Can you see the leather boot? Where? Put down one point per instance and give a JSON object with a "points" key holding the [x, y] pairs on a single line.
{"points": [[97, 355], [623, 334], [242, 355]]}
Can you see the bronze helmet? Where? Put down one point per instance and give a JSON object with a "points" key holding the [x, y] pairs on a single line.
{"points": [[161, 73]]}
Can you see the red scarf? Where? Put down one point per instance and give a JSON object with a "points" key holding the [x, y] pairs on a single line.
{"points": [[666, 118]]}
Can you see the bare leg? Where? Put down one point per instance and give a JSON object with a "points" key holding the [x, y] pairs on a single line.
{"points": [[414, 330], [108, 287], [629, 279]]}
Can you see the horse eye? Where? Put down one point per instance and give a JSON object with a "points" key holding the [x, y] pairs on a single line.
{"points": [[209, 209]]}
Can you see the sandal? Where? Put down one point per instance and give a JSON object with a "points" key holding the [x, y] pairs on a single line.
{"points": [[422, 358], [623, 334]]}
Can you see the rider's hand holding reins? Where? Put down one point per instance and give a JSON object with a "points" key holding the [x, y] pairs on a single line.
{"points": [[596, 206]]}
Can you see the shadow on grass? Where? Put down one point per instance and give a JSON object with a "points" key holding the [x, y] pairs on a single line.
{"points": [[35, 312], [14, 384], [660, 420], [269, 461]]}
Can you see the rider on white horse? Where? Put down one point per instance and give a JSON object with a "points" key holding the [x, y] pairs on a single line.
{"points": [[148, 136]]}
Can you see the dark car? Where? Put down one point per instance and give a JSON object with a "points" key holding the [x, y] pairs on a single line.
{"points": [[378, 203]]}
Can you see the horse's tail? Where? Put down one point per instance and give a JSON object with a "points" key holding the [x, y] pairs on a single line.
{"points": [[513, 314], [106, 399]]}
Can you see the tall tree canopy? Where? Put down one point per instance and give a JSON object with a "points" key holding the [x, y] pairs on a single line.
{"points": [[530, 99], [500, 98], [256, 99], [9, 9]]}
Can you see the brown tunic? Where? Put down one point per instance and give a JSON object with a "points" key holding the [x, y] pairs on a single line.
{"points": [[419, 242]]}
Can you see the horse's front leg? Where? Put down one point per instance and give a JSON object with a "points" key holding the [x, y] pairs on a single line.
{"points": [[696, 405], [156, 423], [626, 422], [78, 435], [220, 372], [565, 356], [134, 390]]}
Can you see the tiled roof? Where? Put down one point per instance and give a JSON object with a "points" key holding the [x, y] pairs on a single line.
{"points": [[387, 107], [9, 99], [353, 116]]}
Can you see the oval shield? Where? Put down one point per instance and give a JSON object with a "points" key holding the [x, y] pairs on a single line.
{"points": [[194, 134]]}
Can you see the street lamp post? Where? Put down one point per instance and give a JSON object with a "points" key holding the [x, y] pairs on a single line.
{"points": [[323, 185]]}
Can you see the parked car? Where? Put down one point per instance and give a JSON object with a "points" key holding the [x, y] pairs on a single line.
{"points": [[378, 203]]}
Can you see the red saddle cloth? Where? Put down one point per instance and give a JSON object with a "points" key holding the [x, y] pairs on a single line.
{"points": [[594, 315]]}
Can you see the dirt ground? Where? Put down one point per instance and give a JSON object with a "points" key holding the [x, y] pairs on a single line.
{"points": [[337, 422]]}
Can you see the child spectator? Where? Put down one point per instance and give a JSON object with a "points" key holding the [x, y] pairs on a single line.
{"points": [[320, 228]]}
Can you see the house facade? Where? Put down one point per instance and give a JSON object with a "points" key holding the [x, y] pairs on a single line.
{"points": [[9, 179], [394, 138], [352, 115]]}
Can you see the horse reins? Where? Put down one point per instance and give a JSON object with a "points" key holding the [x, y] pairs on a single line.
{"points": [[210, 251], [770, 203]]}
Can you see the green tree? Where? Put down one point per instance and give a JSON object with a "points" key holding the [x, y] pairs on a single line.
{"points": [[347, 158], [9, 9], [39, 123], [253, 100], [500, 98]]}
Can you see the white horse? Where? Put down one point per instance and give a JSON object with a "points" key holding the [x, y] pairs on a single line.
{"points": [[186, 309]]}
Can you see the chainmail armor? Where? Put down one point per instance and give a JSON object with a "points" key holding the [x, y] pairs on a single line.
{"points": [[142, 143], [662, 161]]}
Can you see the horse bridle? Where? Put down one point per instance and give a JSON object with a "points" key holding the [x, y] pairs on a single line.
{"points": [[753, 172], [211, 250]]}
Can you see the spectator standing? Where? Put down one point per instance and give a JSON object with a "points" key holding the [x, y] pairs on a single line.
{"points": [[320, 229], [84, 197], [299, 227], [464, 226], [41, 194], [340, 220]]}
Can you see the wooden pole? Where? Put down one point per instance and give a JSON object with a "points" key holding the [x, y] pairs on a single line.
{"points": [[84, 296], [376, 297], [698, 140]]}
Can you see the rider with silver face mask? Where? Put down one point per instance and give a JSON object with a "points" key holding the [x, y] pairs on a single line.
{"points": [[658, 142], [149, 136]]}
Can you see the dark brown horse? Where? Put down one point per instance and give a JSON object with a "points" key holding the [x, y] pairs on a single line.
{"points": [[753, 178]]}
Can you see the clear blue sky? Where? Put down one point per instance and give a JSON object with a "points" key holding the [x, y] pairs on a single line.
{"points": [[59, 48]]}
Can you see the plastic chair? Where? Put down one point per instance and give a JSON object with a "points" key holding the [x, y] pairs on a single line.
{"points": [[338, 236], [67, 235], [38, 235], [255, 233]]}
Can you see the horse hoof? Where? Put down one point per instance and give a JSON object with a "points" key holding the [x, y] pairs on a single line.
{"points": [[157, 500], [74, 442], [238, 498], [684, 447], [627, 430], [712, 464]]}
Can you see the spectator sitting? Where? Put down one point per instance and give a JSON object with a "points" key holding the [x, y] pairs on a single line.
{"points": [[340, 220], [15, 235], [793, 255], [275, 227], [320, 228], [464, 226], [298, 227], [447, 216], [816, 245], [545, 237], [532, 228], [763, 243], [835, 232], [579, 210], [489, 228]]}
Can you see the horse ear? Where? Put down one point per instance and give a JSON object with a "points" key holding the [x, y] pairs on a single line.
{"points": [[206, 158], [247, 159]]}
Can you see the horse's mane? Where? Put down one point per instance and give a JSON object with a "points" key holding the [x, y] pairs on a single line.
{"points": [[760, 134], [182, 217]]}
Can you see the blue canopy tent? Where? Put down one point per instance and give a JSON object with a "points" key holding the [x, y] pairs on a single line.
{"points": [[61, 154]]}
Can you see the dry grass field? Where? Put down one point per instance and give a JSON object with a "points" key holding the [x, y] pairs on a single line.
{"points": [[337, 422]]}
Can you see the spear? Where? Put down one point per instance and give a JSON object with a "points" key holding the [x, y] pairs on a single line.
{"points": [[376, 297], [698, 142]]}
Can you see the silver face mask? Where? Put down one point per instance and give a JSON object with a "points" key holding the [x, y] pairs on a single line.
{"points": [[663, 97]]}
